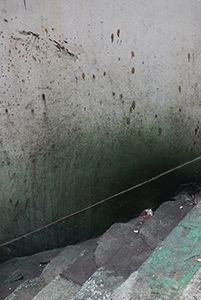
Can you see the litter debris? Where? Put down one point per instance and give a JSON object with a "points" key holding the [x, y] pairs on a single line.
{"points": [[136, 231], [145, 215], [189, 194], [15, 276]]}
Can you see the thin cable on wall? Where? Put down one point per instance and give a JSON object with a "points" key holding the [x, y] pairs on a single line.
{"points": [[102, 201]]}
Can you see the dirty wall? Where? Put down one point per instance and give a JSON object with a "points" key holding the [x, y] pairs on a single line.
{"points": [[96, 96]]}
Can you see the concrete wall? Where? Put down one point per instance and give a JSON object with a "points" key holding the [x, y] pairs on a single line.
{"points": [[96, 96]]}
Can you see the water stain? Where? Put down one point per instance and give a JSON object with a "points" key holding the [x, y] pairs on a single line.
{"points": [[133, 105], [16, 204], [189, 57], [196, 129], [132, 54], [112, 37], [133, 70], [118, 32]]}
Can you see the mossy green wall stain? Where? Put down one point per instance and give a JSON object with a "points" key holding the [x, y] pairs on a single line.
{"points": [[61, 174]]}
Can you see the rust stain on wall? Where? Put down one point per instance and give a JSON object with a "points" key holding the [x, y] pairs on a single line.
{"points": [[133, 70], [112, 37]]}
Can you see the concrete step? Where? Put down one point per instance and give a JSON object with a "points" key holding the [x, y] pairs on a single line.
{"points": [[168, 270], [27, 290], [22, 273], [193, 289], [124, 247], [58, 289], [73, 263], [31, 287], [99, 286], [99, 266]]}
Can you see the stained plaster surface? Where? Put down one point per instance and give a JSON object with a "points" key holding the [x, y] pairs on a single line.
{"points": [[95, 97]]}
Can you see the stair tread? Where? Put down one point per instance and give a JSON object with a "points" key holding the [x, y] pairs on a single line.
{"points": [[119, 252], [65, 259], [27, 290], [99, 286], [170, 267], [120, 249], [58, 289]]}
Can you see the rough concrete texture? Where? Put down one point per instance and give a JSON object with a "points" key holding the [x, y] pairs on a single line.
{"points": [[99, 286], [83, 267], [66, 258], [167, 216], [120, 251], [170, 267], [95, 97], [193, 289], [27, 290], [29, 267], [58, 289], [55, 266], [124, 247]]}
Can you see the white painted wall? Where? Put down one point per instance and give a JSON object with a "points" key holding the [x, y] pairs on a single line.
{"points": [[95, 97]]}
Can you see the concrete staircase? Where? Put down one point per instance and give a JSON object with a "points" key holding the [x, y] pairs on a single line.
{"points": [[154, 260]]}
